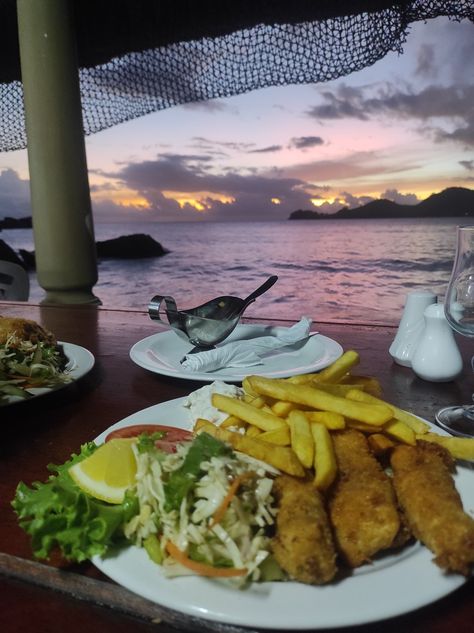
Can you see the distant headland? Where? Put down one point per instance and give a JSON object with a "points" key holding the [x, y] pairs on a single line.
{"points": [[451, 202], [16, 223]]}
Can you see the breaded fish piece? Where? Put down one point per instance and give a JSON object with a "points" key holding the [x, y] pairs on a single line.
{"points": [[361, 503], [303, 545], [433, 508], [24, 329]]}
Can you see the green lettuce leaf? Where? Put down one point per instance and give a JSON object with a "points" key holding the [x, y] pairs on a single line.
{"points": [[58, 514], [182, 480]]}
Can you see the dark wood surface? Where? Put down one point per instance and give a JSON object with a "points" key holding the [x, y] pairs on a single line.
{"points": [[62, 597]]}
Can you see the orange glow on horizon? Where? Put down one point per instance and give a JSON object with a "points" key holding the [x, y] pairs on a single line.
{"points": [[134, 201], [203, 201], [318, 202], [200, 200], [192, 203], [123, 198]]}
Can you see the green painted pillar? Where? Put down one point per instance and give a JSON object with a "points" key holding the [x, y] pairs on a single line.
{"points": [[63, 229]]}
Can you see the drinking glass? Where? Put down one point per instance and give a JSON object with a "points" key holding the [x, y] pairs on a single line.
{"points": [[459, 310]]}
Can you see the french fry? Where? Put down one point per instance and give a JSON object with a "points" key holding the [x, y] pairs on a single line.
{"points": [[281, 457], [380, 443], [399, 414], [200, 423], [339, 367], [376, 414], [400, 431], [394, 428], [459, 447], [337, 389], [363, 427], [333, 421], [332, 373], [256, 401], [253, 431], [282, 409], [247, 388], [368, 384], [240, 409], [301, 437], [280, 437], [410, 420], [302, 379], [325, 464], [231, 420]]}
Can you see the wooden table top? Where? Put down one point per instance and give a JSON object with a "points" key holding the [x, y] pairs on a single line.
{"points": [[56, 596]]}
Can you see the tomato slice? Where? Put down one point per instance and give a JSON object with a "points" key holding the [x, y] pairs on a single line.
{"points": [[167, 443]]}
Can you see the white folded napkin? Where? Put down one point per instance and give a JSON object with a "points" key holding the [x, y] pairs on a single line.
{"points": [[246, 353]]}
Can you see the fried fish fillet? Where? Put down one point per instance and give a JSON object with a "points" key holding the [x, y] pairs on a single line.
{"points": [[303, 545], [433, 507], [362, 505], [24, 329]]}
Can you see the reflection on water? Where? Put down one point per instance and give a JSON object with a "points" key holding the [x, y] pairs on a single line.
{"points": [[340, 270]]}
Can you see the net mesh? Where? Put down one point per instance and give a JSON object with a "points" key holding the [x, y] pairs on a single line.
{"points": [[138, 83]]}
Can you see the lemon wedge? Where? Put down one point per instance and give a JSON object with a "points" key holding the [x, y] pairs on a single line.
{"points": [[108, 472]]}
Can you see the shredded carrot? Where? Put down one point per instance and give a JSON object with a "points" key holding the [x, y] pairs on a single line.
{"points": [[202, 569], [235, 485]]}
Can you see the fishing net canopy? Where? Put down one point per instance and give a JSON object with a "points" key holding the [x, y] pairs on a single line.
{"points": [[140, 56]]}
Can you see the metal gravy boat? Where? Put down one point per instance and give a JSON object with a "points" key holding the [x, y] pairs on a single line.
{"points": [[208, 324]]}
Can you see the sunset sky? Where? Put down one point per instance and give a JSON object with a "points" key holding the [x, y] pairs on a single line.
{"points": [[401, 129]]}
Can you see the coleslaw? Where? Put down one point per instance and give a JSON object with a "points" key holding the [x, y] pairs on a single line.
{"points": [[220, 518]]}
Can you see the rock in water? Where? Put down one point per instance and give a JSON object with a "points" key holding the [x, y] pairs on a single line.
{"points": [[133, 246], [7, 254], [136, 246]]}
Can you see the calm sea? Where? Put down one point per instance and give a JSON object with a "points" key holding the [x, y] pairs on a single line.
{"points": [[336, 270]]}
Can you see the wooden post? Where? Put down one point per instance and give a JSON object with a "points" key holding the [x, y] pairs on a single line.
{"points": [[63, 229]]}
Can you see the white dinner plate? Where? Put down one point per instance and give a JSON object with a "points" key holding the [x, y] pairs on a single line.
{"points": [[161, 353], [391, 586], [81, 361]]}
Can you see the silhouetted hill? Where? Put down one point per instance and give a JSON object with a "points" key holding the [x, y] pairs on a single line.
{"points": [[451, 202], [16, 223], [457, 200]]}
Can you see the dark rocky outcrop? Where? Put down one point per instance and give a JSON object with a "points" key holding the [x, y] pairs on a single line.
{"points": [[450, 203], [28, 258], [7, 254], [136, 246]]}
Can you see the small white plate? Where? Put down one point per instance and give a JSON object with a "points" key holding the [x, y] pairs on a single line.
{"points": [[81, 361], [390, 586], [161, 353]]}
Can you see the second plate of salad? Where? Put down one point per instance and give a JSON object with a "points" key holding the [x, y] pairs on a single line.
{"points": [[79, 362]]}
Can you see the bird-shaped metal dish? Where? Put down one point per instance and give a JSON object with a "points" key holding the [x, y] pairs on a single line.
{"points": [[208, 324]]}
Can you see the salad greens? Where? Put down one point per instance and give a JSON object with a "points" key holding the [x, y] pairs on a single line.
{"points": [[182, 480], [58, 514], [24, 365], [203, 509]]}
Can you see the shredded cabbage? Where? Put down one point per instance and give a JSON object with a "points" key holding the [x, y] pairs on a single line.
{"points": [[239, 539]]}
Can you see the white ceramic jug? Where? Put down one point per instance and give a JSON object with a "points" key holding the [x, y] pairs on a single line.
{"points": [[411, 326], [437, 357]]}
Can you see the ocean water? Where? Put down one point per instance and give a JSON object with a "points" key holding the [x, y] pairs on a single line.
{"points": [[356, 271]]}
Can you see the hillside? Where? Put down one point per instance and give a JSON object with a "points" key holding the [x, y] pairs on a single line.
{"points": [[451, 202]]}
